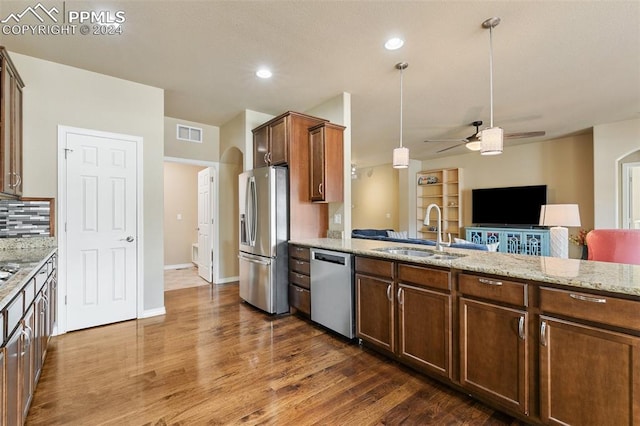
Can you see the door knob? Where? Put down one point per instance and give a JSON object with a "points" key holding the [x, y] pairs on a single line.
{"points": [[129, 239]]}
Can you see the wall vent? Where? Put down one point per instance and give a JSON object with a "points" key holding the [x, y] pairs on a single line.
{"points": [[189, 133]]}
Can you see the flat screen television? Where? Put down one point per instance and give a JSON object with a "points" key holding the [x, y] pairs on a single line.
{"points": [[512, 206]]}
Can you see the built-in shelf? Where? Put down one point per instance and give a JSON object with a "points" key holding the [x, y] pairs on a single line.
{"points": [[444, 192]]}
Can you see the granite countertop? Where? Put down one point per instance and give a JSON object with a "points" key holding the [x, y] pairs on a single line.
{"points": [[589, 275], [30, 254]]}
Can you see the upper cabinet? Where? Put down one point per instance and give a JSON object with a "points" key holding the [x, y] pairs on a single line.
{"points": [[271, 143], [326, 160], [10, 127]]}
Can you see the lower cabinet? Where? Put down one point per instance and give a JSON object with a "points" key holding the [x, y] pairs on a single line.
{"points": [[588, 376], [300, 279], [375, 306], [493, 353], [405, 310], [22, 356]]}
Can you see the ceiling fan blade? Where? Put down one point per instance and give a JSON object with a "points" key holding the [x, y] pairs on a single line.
{"points": [[451, 147], [445, 140], [522, 135]]}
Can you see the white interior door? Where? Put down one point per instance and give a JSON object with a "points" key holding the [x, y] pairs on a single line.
{"points": [[205, 224], [101, 229]]}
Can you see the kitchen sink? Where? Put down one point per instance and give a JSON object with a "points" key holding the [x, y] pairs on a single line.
{"points": [[430, 254]]}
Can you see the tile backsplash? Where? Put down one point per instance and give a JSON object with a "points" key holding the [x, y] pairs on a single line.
{"points": [[20, 218]]}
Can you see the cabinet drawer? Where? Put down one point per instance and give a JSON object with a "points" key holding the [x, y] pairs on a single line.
{"points": [[424, 276], [301, 266], [29, 292], [381, 268], [299, 252], [300, 299], [300, 280], [496, 289], [591, 307], [14, 313]]}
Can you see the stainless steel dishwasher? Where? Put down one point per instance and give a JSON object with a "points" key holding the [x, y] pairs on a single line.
{"points": [[332, 291]]}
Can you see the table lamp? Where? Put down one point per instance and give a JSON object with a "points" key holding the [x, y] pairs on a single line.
{"points": [[558, 216]]}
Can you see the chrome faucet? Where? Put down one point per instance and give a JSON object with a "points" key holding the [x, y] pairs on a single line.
{"points": [[439, 243]]}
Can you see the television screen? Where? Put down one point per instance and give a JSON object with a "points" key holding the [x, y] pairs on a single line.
{"points": [[518, 205]]}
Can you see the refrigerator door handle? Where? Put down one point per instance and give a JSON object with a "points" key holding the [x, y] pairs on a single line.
{"points": [[254, 209], [253, 259]]}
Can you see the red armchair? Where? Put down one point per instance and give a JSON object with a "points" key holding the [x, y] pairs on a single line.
{"points": [[614, 245]]}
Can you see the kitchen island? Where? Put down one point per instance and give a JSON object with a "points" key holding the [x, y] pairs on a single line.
{"points": [[525, 334]]}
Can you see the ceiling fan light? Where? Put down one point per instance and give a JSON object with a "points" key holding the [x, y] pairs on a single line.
{"points": [[473, 146], [400, 158], [491, 141]]}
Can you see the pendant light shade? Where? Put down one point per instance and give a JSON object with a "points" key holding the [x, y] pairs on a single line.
{"points": [[400, 158], [401, 154], [491, 138]]}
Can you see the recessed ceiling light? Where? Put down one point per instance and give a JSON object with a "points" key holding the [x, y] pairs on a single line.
{"points": [[264, 73], [394, 43]]}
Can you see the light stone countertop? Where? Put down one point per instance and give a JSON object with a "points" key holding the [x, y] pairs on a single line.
{"points": [[588, 275], [30, 254]]}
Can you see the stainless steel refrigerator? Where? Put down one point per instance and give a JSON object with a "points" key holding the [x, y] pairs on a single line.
{"points": [[264, 231]]}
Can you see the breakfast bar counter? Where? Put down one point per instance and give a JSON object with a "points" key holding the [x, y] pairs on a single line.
{"points": [[621, 279]]}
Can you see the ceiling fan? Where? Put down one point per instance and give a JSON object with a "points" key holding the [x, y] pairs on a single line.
{"points": [[489, 140], [473, 142]]}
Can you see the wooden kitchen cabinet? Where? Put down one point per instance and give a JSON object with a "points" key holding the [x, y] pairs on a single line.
{"points": [[327, 162], [589, 365], [494, 354], [29, 320], [299, 279], [10, 127], [424, 318], [270, 143], [375, 306]]}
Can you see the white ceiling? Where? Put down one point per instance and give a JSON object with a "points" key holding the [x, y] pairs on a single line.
{"points": [[559, 66]]}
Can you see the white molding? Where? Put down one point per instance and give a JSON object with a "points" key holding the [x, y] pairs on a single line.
{"points": [[61, 216], [179, 266], [226, 280], [152, 313], [202, 163]]}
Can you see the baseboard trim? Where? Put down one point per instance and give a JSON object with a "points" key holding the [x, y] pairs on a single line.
{"points": [[179, 266], [148, 313], [226, 280]]}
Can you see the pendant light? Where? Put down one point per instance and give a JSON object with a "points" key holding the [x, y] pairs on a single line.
{"points": [[401, 154], [491, 138]]}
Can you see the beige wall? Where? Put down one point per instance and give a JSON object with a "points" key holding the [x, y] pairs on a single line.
{"points": [[611, 143], [60, 95], [208, 150], [374, 195], [180, 198]]}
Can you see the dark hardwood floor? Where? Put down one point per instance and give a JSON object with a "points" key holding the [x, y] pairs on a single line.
{"points": [[214, 360]]}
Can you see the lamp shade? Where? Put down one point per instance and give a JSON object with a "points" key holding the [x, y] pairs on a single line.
{"points": [[491, 141], [473, 145], [560, 215], [400, 158]]}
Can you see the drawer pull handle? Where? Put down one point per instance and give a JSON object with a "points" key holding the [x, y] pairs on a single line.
{"points": [[489, 282], [587, 298], [299, 290], [521, 327], [543, 333]]}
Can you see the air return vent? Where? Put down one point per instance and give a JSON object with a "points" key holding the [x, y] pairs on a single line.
{"points": [[188, 133]]}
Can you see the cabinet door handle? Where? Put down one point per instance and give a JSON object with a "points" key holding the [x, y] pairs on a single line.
{"points": [[19, 180], [266, 161], [389, 297], [587, 298], [521, 327], [400, 296], [543, 333], [321, 188], [269, 157], [489, 282]]}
